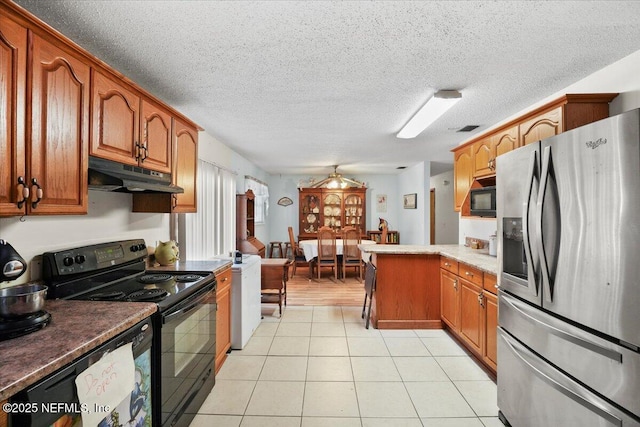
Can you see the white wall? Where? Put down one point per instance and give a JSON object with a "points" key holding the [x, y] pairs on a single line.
{"points": [[620, 77], [446, 219], [109, 218]]}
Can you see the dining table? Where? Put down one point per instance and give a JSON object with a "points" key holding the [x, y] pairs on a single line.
{"points": [[310, 248]]}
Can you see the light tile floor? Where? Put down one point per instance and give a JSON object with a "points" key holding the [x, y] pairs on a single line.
{"points": [[319, 366]]}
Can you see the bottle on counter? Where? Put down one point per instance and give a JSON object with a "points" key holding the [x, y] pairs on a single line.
{"points": [[237, 259], [493, 250]]}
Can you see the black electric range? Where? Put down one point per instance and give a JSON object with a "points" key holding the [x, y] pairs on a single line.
{"points": [[183, 350]]}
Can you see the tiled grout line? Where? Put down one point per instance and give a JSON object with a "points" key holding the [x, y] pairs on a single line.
{"points": [[342, 321]]}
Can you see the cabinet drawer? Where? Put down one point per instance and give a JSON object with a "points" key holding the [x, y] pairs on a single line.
{"points": [[449, 264], [490, 282], [224, 278], [470, 273]]}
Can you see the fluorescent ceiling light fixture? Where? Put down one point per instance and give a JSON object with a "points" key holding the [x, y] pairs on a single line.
{"points": [[429, 113]]}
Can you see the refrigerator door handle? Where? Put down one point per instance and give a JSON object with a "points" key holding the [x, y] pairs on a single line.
{"points": [[530, 361], [525, 312], [544, 265], [533, 169]]}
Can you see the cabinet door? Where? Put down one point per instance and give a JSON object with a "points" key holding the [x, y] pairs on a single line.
{"points": [[354, 211], [490, 354], [59, 131], [543, 126], [309, 213], [13, 68], [471, 315], [115, 121], [463, 175], [223, 318], [331, 210], [483, 154], [449, 302], [504, 142], [185, 167], [156, 137]]}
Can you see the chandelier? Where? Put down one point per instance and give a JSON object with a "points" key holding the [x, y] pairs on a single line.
{"points": [[336, 180]]}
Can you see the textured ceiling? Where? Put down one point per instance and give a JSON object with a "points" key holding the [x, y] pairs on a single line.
{"points": [[297, 86]]}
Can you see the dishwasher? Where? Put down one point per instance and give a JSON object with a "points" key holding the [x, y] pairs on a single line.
{"points": [[54, 399]]}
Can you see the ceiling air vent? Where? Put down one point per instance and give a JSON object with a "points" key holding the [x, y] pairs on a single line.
{"points": [[468, 128]]}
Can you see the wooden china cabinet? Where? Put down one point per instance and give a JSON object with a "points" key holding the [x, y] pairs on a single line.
{"points": [[331, 207], [246, 240]]}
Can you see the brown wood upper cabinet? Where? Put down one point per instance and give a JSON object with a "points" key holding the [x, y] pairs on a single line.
{"points": [[185, 164], [462, 175], [185, 167], [540, 127], [47, 172], [126, 128], [476, 159], [13, 82], [487, 149]]}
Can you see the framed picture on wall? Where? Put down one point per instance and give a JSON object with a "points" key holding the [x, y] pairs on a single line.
{"points": [[381, 203], [409, 201]]}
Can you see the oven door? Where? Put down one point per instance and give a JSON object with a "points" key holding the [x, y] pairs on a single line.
{"points": [[186, 365], [54, 401]]}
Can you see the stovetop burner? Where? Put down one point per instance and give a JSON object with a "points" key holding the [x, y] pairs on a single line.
{"points": [[147, 295], [188, 278], [109, 296], [155, 278], [16, 327]]}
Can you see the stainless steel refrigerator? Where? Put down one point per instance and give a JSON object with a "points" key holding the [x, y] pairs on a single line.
{"points": [[569, 263]]}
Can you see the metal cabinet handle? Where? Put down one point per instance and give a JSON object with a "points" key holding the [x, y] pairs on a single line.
{"points": [[481, 299], [39, 193], [468, 273], [455, 284], [24, 192], [446, 264], [174, 201], [138, 147], [146, 153]]}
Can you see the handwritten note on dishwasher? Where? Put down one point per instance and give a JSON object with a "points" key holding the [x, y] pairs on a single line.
{"points": [[106, 383]]}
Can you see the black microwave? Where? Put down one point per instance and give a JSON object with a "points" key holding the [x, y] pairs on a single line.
{"points": [[483, 201]]}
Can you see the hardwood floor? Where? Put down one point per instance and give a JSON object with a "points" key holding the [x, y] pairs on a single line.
{"points": [[302, 291]]}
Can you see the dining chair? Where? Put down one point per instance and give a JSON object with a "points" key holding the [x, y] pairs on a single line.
{"points": [[369, 289], [351, 256], [273, 282], [327, 254], [297, 255]]}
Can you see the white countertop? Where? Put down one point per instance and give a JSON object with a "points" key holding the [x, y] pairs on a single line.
{"points": [[476, 257]]}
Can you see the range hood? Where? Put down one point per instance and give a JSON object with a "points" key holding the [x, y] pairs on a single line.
{"points": [[107, 175]]}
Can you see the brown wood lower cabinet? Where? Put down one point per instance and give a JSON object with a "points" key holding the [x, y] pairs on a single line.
{"points": [[407, 292], [490, 353], [470, 311], [223, 317]]}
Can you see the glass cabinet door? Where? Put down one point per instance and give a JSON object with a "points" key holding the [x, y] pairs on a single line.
{"points": [[310, 213], [354, 211], [332, 211]]}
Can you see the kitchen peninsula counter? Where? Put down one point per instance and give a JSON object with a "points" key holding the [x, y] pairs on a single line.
{"points": [[76, 328], [408, 285], [476, 257]]}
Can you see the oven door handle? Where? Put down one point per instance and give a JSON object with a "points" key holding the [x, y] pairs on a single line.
{"points": [[185, 310]]}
